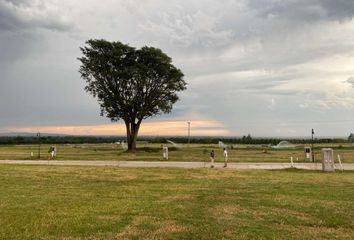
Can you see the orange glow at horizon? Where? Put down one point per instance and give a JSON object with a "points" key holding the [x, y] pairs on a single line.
{"points": [[159, 128]]}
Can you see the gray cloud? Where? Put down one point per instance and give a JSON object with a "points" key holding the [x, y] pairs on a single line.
{"points": [[351, 81], [16, 15], [242, 37], [305, 10]]}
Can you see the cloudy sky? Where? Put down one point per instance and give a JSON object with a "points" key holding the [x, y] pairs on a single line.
{"points": [[264, 67]]}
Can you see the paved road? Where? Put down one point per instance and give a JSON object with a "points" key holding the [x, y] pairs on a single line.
{"points": [[310, 166]]}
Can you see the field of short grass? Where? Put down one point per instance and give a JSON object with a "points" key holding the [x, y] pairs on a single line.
{"points": [[52, 202], [153, 152]]}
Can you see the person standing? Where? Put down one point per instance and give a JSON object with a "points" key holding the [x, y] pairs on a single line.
{"points": [[225, 157], [212, 158]]}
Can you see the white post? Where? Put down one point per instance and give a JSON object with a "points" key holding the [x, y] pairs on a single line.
{"points": [[340, 163], [165, 153], [292, 163]]}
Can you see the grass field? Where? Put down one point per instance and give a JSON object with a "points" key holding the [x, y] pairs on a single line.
{"points": [[153, 152], [41, 202]]}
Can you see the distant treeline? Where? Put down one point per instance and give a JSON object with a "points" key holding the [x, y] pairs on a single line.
{"points": [[200, 140], [266, 141], [59, 140]]}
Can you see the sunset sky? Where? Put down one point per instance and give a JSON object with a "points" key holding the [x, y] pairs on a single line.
{"points": [[264, 67]]}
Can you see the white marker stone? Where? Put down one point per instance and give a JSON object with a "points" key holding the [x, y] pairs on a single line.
{"points": [[327, 160]]}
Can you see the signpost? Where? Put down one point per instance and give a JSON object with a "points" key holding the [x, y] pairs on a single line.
{"points": [[189, 133], [39, 145], [313, 150]]}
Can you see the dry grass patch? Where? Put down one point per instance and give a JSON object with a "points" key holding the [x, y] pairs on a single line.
{"points": [[227, 212], [318, 232], [178, 197], [144, 227]]}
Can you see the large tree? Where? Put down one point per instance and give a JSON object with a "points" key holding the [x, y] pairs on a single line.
{"points": [[130, 84]]}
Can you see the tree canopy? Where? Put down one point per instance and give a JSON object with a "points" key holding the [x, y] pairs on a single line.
{"points": [[130, 84]]}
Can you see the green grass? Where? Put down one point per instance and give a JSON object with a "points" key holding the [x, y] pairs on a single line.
{"points": [[153, 152], [52, 202]]}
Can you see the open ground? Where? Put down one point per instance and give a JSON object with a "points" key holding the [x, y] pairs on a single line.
{"points": [[56, 202], [153, 152]]}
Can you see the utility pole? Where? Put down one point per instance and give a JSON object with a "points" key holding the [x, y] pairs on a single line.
{"points": [[189, 133], [39, 145], [313, 150]]}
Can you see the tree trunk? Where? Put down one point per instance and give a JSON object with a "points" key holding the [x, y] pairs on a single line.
{"points": [[132, 134]]}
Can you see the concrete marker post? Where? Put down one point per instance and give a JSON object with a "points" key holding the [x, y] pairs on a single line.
{"points": [[340, 163]]}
